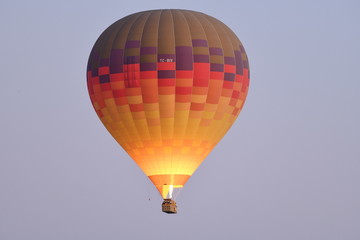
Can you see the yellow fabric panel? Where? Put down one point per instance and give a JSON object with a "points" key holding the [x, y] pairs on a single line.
{"points": [[134, 99]]}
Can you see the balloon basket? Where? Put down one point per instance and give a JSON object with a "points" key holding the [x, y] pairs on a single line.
{"points": [[169, 206]]}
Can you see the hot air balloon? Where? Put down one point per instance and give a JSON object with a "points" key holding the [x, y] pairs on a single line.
{"points": [[167, 85]]}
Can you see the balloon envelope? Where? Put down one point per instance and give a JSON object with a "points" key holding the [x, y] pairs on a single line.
{"points": [[167, 85]]}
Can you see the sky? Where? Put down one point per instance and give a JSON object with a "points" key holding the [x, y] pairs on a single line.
{"points": [[287, 169]]}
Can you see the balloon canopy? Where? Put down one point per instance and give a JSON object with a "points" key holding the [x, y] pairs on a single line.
{"points": [[168, 85]]}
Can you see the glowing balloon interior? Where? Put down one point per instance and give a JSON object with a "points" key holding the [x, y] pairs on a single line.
{"points": [[168, 85]]}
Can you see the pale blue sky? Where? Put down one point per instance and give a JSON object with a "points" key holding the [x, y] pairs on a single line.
{"points": [[288, 169]]}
